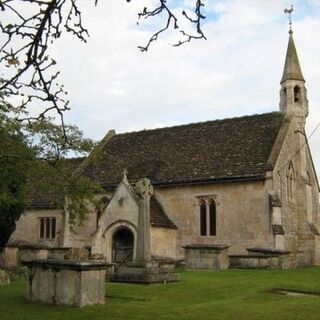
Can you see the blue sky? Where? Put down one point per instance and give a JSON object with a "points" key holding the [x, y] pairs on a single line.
{"points": [[112, 85]]}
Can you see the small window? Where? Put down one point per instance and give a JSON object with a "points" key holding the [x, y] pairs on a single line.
{"points": [[203, 218], [297, 93], [47, 228]]}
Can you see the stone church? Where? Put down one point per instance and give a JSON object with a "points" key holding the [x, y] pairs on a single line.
{"points": [[246, 182]]}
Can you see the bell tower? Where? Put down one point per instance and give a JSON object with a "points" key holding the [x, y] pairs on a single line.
{"points": [[293, 93]]}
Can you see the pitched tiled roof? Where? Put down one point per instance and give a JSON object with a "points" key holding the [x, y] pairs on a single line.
{"points": [[44, 198], [158, 218], [207, 151]]}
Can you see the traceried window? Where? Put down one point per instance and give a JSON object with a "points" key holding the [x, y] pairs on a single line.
{"points": [[48, 227], [208, 218], [290, 181]]}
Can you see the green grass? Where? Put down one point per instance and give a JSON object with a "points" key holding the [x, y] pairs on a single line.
{"points": [[230, 294]]}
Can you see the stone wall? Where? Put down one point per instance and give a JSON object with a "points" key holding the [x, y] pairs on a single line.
{"points": [[163, 242], [242, 209], [28, 228], [81, 233], [299, 238]]}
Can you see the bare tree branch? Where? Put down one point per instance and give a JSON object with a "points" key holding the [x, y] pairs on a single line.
{"points": [[33, 77], [26, 36], [172, 20]]}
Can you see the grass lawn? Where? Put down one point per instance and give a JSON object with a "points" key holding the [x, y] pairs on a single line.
{"points": [[230, 294]]}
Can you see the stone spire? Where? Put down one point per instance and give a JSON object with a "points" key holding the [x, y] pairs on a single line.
{"points": [[292, 70], [293, 94]]}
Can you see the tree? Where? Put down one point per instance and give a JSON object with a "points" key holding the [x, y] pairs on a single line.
{"points": [[33, 148], [27, 35], [13, 174], [34, 163]]}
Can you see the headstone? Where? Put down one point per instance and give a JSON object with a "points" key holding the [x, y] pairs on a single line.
{"points": [[10, 257], [4, 277]]}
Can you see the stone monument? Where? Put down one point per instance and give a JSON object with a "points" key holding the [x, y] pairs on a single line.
{"points": [[73, 283]]}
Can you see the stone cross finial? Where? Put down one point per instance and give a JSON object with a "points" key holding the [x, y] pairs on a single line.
{"points": [[289, 12], [144, 188], [125, 174]]}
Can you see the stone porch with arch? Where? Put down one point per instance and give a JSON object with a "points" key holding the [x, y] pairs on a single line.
{"points": [[121, 213]]}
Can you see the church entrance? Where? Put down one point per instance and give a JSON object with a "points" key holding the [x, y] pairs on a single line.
{"points": [[122, 246]]}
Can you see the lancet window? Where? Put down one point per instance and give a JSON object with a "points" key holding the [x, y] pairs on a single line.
{"points": [[208, 217], [290, 181]]}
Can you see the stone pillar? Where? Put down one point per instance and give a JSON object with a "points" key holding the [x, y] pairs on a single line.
{"points": [[276, 220], [144, 190]]}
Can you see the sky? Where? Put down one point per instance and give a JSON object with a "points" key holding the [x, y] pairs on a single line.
{"points": [[235, 72]]}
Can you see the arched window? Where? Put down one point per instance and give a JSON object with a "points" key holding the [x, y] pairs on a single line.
{"points": [[203, 218], [212, 217], [290, 181], [297, 93]]}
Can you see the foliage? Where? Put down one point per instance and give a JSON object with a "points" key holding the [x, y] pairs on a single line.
{"points": [[28, 30], [223, 295], [14, 163], [35, 167]]}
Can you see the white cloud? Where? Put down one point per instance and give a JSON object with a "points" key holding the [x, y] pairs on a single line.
{"points": [[235, 72]]}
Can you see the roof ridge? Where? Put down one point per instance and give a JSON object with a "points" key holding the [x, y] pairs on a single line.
{"points": [[200, 123]]}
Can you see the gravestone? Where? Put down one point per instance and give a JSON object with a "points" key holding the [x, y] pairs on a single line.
{"points": [[4, 277]]}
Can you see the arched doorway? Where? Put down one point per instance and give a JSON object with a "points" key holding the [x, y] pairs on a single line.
{"points": [[122, 245]]}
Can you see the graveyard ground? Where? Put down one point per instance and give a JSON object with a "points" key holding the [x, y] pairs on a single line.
{"points": [[230, 294]]}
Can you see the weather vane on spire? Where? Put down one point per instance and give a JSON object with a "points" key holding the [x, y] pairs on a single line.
{"points": [[289, 12]]}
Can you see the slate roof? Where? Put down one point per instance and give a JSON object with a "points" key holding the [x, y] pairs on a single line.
{"points": [[42, 198], [51, 200], [217, 150], [158, 218]]}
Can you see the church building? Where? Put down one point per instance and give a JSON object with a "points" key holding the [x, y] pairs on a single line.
{"points": [[246, 182]]}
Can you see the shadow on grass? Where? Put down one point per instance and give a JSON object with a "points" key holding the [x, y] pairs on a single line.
{"points": [[126, 298]]}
